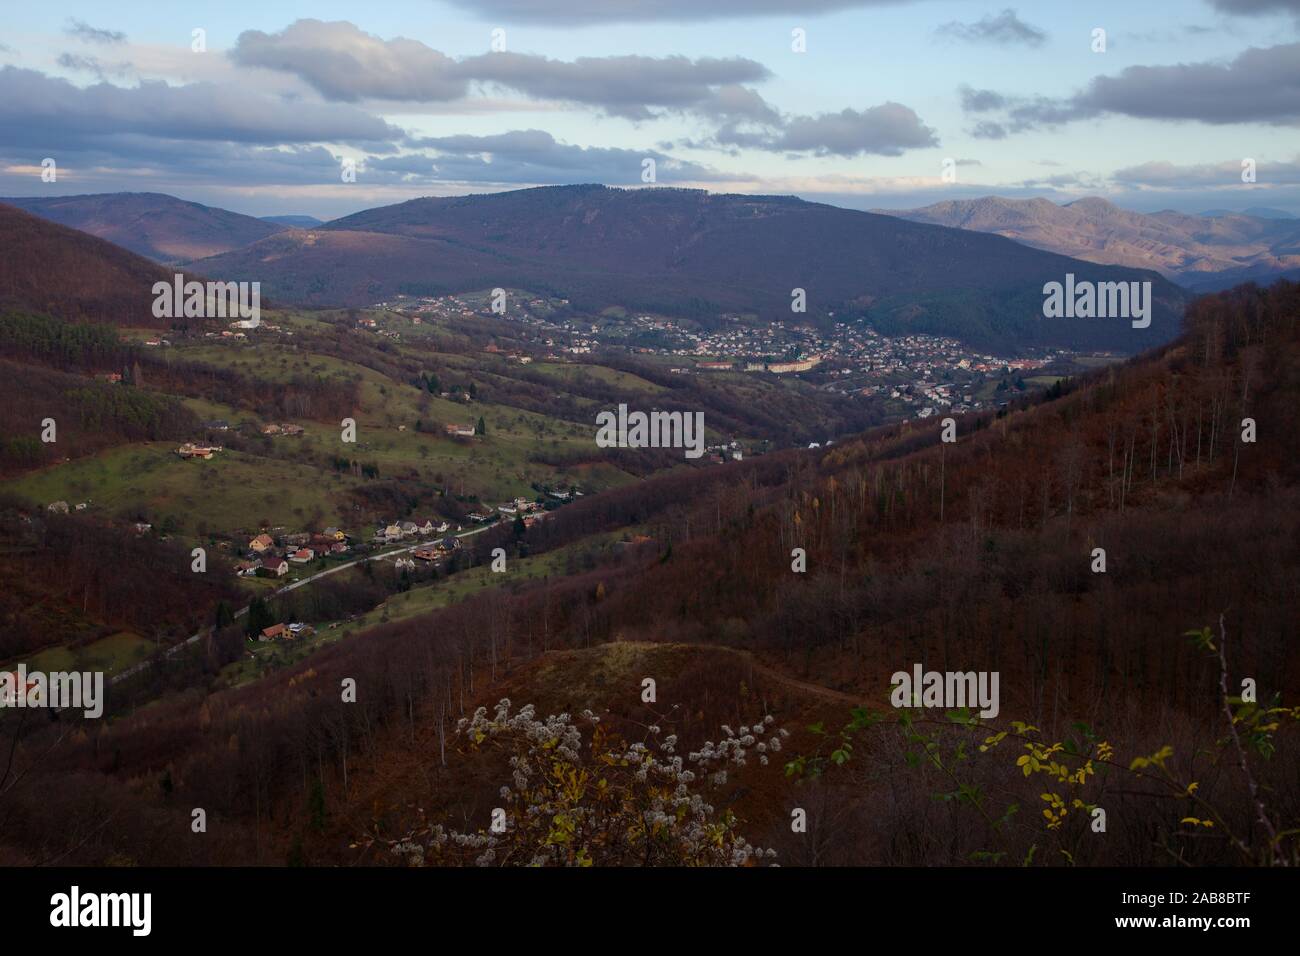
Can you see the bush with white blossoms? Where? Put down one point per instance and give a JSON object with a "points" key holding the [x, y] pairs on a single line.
{"points": [[605, 802]]}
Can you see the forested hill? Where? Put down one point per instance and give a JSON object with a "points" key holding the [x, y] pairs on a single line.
{"points": [[52, 269], [689, 252], [975, 555]]}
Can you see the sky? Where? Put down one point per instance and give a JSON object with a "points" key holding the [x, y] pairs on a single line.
{"points": [[259, 107]]}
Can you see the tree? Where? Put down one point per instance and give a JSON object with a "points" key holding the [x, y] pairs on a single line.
{"points": [[481, 427], [599, 802], [225, 617], [259, 617]]}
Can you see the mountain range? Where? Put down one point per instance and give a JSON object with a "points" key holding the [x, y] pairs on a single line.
{"points": [[676, 252], [154, 225], [1202, 253], [695, 254]]}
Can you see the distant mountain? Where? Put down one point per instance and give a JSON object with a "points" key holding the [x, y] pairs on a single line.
{"points": [[686, 252], [51, 269], [160, 227], [1259, 212], [296, 222], [1194, 251]]}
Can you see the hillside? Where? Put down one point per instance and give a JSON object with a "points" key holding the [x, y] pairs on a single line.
{"points": [[977, 555], [151, 224], [55, 270], [695, 254], [1195, 251], [159, 227]]}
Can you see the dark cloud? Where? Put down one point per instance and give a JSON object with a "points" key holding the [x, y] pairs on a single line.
{"points": [[1256, 7], [885, 130], [1259, 85], [1006, 28], [36, 108], [346, 64], [987, 129], [84, 31], [615, 11], [625, 85], [981, 101]]}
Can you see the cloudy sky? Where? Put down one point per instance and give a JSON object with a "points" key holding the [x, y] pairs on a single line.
{"points": [[456, 96]]}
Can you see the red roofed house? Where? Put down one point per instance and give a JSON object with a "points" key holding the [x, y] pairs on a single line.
{"points": [[273, 568]]}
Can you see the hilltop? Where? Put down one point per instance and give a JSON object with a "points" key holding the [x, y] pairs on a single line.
{"points": [[1195, 251], [154, 225], [689, 252], [60, 271]]}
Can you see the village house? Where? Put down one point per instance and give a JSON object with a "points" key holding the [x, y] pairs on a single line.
{"points": [[303, 556], [460, 431], [273, 567], [261, 543], [58, 507], [272, 632], [409, 527], [393, 532], [189, 450], [334, 533], [449, 544], [428, 553]]}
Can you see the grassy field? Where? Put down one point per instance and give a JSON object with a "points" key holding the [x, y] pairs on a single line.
{"points": [[232, 491], [108, 654]]}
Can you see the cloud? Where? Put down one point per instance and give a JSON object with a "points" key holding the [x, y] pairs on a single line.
{"points": [[535, 157], [92, 64], [346, 64], [37, 109], [1257, 7], [1167, 175], [550, 12], [1261, 85], [1005, 29], [981, 101], [885, 130], [625, 86], [84, 31], [987, 129]]}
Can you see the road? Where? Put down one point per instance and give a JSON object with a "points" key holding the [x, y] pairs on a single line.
{"points": [[195, 638]]}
